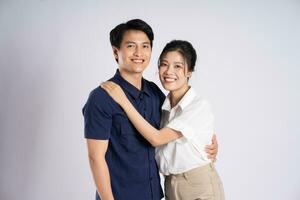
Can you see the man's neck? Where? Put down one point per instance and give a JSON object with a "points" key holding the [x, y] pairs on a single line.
{"points": [[134, 79]]}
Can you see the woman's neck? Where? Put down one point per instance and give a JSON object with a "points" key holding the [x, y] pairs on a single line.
{"points": [[176, 95]]}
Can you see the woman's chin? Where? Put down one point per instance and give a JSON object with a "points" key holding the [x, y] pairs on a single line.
{"points": [[168, 87]]}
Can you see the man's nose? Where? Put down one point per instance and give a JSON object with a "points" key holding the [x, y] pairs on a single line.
{"points": [[138, 51]]}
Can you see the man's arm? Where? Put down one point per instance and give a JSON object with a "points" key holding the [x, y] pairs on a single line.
{"points": [[99, 168]]}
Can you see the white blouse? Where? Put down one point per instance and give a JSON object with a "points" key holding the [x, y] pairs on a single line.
{"points": [[193, 118]]}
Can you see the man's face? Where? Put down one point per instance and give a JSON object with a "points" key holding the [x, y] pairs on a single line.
{"points": [[134, 52]]}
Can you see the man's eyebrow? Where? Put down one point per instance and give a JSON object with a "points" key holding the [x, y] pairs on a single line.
{"points": [[129, 42], [132, 42], [179, 63]]}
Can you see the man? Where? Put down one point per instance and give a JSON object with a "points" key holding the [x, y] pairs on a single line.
{"points": [[122, 161]]}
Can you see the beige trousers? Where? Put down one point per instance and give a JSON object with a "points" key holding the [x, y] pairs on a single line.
{"points": [[202, 183]]}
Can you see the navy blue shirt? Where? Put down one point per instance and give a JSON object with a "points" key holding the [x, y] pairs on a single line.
{"points": [[130, 158]]}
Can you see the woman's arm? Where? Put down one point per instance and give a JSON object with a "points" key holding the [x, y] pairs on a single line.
{"points": [[154, 136]]}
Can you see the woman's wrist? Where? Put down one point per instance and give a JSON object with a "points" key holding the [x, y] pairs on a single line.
{"points": [[124, 103]]}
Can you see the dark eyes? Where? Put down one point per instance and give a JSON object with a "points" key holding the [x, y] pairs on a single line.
{"points": [[175, 66], [163, 65], [132, 45], [178, 66]]}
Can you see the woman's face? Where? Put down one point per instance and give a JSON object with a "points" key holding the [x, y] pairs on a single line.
{"points": [[173, 72]]}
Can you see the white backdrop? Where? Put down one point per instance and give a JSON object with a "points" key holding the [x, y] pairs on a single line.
{"points": [[53, 53]]}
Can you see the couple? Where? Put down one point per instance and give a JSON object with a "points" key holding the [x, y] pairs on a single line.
{"points": [[128, 116]]}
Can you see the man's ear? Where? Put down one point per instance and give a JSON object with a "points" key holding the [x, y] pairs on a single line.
{"points": [[115, 52], [189, 74]]}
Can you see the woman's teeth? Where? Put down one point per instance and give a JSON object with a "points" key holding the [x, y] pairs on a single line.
{"points": [[170, 79]]}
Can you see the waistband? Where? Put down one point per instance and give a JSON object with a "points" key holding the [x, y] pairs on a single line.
{"points": [[191, 172]]}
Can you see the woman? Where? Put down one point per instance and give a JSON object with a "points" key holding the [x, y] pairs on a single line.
{"points": [[187, 127]]}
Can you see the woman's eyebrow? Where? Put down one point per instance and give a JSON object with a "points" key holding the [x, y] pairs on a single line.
{"points": [[179, 63]]}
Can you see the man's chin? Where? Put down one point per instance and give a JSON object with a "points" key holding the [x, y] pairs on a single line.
{"points": [[139, 69], [134, 71]]}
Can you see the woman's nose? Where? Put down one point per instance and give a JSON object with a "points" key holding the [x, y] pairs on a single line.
{"points": [[169, 70]]}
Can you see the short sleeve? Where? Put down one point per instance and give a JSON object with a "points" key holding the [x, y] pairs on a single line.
{"points": [[97, 116], [194, 121]]}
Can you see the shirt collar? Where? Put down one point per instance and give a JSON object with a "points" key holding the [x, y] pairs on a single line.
{"points": [[132, 90], [185, 101]]}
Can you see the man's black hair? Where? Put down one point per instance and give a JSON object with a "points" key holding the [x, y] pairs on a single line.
{"points": [[117, 34]]}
